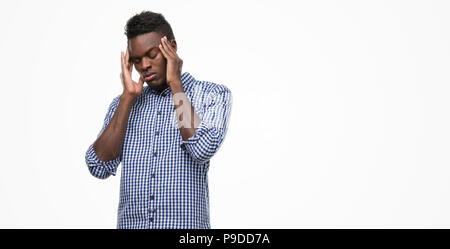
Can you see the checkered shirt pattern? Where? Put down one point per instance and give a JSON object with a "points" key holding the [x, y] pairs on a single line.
{"points": [[164, 181]]}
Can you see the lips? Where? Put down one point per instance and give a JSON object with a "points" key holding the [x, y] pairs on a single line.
{"points": [[149, 77]]}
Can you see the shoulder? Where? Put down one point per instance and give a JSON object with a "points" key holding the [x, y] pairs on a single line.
{"points": [[114, 103], [204, 86], [205, 93]]}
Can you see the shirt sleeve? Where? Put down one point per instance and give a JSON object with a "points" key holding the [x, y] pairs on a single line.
{"points": [[211, 132], [97, 167]]}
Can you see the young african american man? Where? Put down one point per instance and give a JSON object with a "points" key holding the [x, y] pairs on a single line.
{"points": [[164, 133]]}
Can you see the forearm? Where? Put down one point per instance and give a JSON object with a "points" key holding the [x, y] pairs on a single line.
{"points": [[187, 119], [211, 131], [108, 145]]}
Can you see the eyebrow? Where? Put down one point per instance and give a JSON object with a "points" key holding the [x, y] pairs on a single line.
{"points": [[137, 57]]}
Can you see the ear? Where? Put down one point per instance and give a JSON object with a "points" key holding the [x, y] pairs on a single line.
{"points": [[173, 43]]}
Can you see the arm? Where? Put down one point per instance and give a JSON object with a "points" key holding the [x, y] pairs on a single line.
{"points": [[201, 136], [211, 131], [108, 145], [104, 155], [100, 168], [188, 120]]}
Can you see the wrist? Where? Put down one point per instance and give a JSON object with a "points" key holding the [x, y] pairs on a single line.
{"points": [[127, 98], [176, 86]]}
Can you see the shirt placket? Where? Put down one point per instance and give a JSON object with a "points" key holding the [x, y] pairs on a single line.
{"points": [[155, 140]]}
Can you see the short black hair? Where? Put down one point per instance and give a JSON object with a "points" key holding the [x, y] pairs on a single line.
{"points": [[147, 22]]}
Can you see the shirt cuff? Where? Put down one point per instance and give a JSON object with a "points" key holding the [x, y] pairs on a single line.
{"points": [[199, 131], [93, 161]]}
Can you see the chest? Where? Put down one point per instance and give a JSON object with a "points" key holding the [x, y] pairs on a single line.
{"points": [[152, 124]]}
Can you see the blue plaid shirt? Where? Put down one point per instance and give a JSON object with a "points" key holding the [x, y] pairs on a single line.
{"points": [[164, 181]]}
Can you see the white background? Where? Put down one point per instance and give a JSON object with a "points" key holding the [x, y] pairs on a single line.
{"points": [[340, 115]]}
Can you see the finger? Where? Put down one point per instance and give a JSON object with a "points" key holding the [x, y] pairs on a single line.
{"points": [[130, 66], [169, 46], [122, 63], [125, 75], [127, 59], [162, 47], [166, 48], [163, 51], [128, 55]]}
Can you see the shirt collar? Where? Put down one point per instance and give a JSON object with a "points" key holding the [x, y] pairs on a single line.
{"points": [[186, 79]]}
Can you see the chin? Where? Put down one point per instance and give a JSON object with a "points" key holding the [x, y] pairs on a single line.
{"points": [[157, 85]]}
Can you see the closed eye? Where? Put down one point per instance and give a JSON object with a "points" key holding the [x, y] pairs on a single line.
{"points": [[153, 53]]}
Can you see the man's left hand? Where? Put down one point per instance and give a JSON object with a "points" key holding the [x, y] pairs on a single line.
{"points": [[174, 63]]}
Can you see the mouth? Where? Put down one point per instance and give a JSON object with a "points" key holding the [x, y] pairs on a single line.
{"points": [[149, 77]]}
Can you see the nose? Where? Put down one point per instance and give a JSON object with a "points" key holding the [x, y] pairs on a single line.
{"points": [[146, 63]]}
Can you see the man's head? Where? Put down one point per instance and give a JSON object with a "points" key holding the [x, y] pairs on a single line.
{"points": [[144, 32]]}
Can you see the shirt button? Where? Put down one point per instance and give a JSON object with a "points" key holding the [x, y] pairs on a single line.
{"points": [[153, 175], [154, 154], [159, 112], [151, 219], [152, 197], [157, 133]]}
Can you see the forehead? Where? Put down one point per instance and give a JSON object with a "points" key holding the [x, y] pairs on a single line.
{"points": [[140, 44]]}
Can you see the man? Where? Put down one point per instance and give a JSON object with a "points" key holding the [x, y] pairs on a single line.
{"points": [[164, 134]]}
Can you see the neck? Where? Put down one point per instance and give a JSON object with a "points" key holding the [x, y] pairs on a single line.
{"points": [[159, 88]]}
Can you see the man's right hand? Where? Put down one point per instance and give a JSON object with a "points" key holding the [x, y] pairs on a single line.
{"points": [[130, 87]]}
